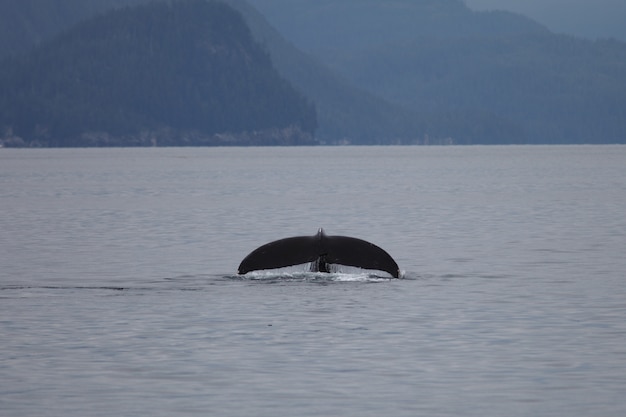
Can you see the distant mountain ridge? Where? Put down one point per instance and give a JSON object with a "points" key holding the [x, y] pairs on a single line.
{"points": [[477, 77], [327, 28]]}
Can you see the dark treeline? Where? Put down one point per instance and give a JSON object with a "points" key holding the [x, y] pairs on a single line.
{"points": [[180, 73]]}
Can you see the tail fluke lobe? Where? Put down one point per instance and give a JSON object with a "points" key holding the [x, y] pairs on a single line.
{"points": [[351, 251], [281, 253]]}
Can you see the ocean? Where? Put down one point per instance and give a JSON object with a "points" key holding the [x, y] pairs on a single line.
{"points": [[119, 293]]}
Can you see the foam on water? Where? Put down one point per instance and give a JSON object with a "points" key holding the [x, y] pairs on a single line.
{"points": [[272, 276]]}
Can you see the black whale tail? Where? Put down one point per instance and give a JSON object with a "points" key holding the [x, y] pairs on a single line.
{"points": [[321, 250]]}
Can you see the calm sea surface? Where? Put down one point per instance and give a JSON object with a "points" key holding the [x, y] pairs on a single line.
{"points": [[118, 292]]}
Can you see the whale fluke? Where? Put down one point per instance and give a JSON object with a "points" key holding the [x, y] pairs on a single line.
{"points": [[321, 250]]}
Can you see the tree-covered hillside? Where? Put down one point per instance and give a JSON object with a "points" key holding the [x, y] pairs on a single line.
{"points": [[24, 23], [346, 114], [180, 73]]}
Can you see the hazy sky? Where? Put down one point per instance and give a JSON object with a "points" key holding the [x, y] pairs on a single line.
{"points": [[587, 18]]}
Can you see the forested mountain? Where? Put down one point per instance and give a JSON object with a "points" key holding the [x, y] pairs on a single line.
{"points": [[346, 114], [477, 77], [411, 71], [185, 73]]}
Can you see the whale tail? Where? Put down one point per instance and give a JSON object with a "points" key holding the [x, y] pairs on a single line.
{"points": [[321, 250]]}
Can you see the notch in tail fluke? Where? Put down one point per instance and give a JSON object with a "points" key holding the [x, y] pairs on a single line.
{"points": [[321, 250]]}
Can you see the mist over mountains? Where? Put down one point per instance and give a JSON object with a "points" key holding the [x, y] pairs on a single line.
{"points": [[598, 19], [331, 28], [408, 71]]}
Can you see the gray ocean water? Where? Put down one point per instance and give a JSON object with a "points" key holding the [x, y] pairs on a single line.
{"points": [[118, 292]]}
